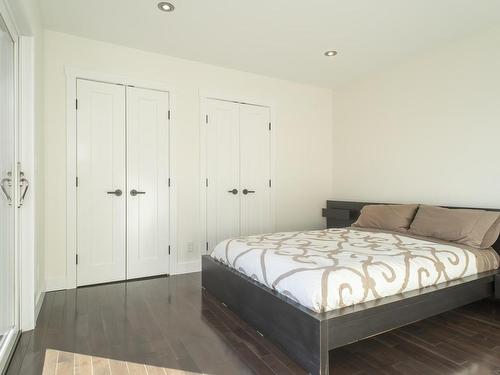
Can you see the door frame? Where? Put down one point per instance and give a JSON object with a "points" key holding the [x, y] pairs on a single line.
{"points": [[205, 95], [72, 74]]}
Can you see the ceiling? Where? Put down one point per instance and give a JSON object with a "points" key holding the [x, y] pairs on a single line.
{"points": [[279, 38]]}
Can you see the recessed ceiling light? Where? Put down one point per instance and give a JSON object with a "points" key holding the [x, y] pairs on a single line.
{"points": [[166, 6], [330, 53]]}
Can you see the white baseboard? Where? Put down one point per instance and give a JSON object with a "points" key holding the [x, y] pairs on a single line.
{"points": [[39, 303], [188, 267], [59, 283], [55, 283]]}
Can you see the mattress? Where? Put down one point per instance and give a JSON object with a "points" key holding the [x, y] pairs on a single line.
{"points": [[333, 268]]}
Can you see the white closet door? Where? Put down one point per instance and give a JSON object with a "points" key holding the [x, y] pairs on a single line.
{"points": [[8, 272], [255, 171], [147, 173], [223, 169], [101, 179]]}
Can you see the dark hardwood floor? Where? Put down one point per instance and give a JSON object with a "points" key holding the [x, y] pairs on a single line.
{"points": [[170, 322]]}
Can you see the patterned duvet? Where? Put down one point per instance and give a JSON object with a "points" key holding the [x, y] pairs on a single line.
{"points": [[328, 269]]}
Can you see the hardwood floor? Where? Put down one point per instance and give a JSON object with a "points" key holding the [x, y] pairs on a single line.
{"points": [[170, 322]]}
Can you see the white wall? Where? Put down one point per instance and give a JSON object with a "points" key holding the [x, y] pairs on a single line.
{"points": [[426, 131], [303, 132], [39, 160]]}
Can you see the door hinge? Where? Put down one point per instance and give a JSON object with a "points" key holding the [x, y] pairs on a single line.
{"points": [[76, 103], [270, 183], [77, 182], [206, 119], [168, 249], [168, 114], [169, 182], [206, 182], [269, 126], [76, 259]]}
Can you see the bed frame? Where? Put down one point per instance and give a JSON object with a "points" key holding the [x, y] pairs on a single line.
{"points": [[306, 336]]}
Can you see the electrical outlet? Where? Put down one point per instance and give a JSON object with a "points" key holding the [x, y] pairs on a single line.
{"points": [[190, 247]]}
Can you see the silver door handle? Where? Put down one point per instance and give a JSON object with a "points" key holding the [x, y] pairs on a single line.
{"points": [[7, 181], [134, 192], [246, 191], [23, 182], [117, 192]]}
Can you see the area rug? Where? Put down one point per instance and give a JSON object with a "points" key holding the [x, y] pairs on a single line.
{"points": [[65, 363]]}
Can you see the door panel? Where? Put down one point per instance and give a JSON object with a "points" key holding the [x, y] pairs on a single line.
{"points": [[223, 208], [8, 300], [255, 170], [100, 170], [147, 173]]}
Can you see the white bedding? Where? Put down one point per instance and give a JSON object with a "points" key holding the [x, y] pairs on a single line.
{"points": [[328, 269]]}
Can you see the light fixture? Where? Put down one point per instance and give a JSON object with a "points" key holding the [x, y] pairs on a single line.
{"points": [[330, 53], [166, 6]]}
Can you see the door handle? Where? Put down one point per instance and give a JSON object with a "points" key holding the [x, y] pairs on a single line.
{"points": [[7, 181], [234, 191], [246, 191], [134, 192], [23, 182], [117, 192]]}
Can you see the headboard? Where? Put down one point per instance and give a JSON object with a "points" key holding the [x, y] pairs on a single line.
{"points": [[342, 214]]}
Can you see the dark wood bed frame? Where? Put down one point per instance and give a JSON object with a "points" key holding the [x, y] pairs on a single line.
{"points": [[306, 336]]}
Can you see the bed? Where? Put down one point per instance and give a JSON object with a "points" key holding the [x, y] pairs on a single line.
{"points": [[314, 291]]}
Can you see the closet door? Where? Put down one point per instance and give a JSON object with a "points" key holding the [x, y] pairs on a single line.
{"points": [[223, 171], [255, 148], [147, 176], [101, 182], [8, 270]]}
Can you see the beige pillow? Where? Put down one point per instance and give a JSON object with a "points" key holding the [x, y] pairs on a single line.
{"points": [[464, 226], [491, 235], [394, 217]]}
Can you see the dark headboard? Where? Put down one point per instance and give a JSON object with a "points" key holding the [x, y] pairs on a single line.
{"points": [[342, 214]]}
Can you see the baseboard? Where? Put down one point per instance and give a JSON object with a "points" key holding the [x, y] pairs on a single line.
{"points": [[59, 283], [55, 283], [38, 304], [188, 267]]}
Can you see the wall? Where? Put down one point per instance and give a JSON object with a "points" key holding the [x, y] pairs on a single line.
{"points": [[39, 161], [303, 132], [426, 131]]}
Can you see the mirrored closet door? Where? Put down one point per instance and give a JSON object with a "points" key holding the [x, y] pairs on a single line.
{"points": [[9, 322]]}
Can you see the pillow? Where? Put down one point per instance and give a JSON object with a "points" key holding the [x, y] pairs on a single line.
{"points": [[464, 226], [491, 235], [394, 217]]}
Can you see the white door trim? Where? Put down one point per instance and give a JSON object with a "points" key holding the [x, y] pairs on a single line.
{"points": [[204, 95], [72, 74], [232, 96]]}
